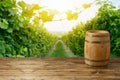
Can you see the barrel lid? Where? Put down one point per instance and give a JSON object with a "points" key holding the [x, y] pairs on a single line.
{"points": [[98, 32]]}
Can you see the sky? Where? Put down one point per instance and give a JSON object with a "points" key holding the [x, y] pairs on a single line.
{"points": [[64, 5]]}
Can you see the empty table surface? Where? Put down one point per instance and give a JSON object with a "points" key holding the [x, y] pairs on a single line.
{"points": [[56, 69]]}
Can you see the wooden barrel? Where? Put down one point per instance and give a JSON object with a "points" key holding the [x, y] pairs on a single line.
{"points": [[97, 47]]}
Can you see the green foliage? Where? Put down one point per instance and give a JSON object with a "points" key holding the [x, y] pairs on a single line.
{"points": [[3, 24], [72, 15], [75, 39], [107, 18], [59, 51], [85, 6], [9, 19], [19, 37], [28, 9], [46, 15]]}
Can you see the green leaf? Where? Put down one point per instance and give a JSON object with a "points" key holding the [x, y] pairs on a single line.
{"points": [[9, 55], [85, 6], [12, 13], [4, 24], [2, 47], [22, 4], [10, 30], [72, 15], [19, 56]]}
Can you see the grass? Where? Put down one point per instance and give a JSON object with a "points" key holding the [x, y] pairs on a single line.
{"points": [[59, 51]]}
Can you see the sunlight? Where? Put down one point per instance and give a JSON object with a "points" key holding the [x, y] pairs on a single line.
{"points": [[64, 5], [60, 26], [61, 5], [30, 1], [88, 14]]}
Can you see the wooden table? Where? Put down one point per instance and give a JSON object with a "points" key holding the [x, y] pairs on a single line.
{"points": [[56, 69]]}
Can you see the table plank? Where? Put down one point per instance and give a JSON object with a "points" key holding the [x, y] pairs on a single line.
{"points": [[56, 69]]}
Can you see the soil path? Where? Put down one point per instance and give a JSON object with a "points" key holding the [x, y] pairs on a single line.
{"points": [[67, 49]]}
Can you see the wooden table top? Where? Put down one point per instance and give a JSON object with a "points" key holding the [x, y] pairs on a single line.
{"points": [[56, 69]]}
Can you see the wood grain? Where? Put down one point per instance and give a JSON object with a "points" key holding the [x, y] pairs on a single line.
{"points": [[56, 69], [97, 47]]}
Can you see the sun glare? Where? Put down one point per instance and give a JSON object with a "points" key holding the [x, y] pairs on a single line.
{"points": [[64, 5], [60, 5]]}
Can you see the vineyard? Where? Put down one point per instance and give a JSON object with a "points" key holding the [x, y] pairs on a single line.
{"points": [[22, 32], [19, 37], [107, 18]]}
